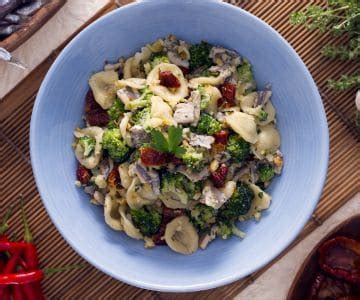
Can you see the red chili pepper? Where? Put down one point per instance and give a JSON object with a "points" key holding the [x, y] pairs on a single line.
{"points": [[340, 257], [22, 278], [33, 289], [18, 293], [11, 246]]}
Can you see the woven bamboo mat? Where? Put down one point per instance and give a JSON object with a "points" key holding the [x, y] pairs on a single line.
{"points": [[89, 283]]}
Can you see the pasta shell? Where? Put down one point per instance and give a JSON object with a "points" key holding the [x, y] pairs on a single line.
{"points": [[268, 140], [93, 160], [244, 125], [111, 213], [270, 110], [124, 175], [103, 87], [211, 80], [261, 202], [172, 96], [134, 198], [161, 110], [135, 83], [215, 95], [181, 236], [128, 225]]}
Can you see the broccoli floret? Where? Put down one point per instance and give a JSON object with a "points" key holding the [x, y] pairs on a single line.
{"points": [[173, 184], [148, 221], [225, 229], [180, 185], [141, 116], [88, 144], [246, 78], [266, 172], [114, 112], [193, 159], [238, 148], [203, 216], [262, 116], [207, 125], [199, 55], [143, 101], [115, 145], [239, 203], [205, 97], [158, 59]]}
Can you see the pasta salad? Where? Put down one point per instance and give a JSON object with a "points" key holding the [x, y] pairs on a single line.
{"points": [[178, 144]]}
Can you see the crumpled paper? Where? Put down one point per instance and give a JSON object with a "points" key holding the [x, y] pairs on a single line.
{"points": [[65, 22]]}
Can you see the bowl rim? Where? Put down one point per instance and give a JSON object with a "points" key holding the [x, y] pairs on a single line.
{"points": [[283, 245]]}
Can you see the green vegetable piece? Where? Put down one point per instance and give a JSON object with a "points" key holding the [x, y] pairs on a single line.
{"points": [[143, 101], [205, 97], [262, 116], [115, 145], [238, 148], [245, 73], [141, 116], [193, 159], [116, 110], [239, 203], [207, 125], [199, 55], [225, 230], [203, 216], [88, 144], [179, 184], [158, 59], [170, 144], [146, 220], [266, 172]]}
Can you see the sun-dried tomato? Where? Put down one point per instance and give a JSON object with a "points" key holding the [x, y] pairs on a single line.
{"points": [[326, 287], [340, 257], [221, 137], [228, 91], [228, 95], [151, 157], [113, 178], [83, 174], [218, 177], [168, 79], [169, 214], [95, 115]]}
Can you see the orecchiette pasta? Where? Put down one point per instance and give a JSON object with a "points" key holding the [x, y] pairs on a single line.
{"points": [[93, 159], [244, 125], [128, 225], [103, 87], [135, 83], [268, 140], [172, 97], [111, 213], [135, 195]]}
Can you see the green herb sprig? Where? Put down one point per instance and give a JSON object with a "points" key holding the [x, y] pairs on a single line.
{"points": [[340, 17], [169, 144]]}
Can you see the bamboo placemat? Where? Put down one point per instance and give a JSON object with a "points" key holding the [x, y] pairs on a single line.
{"points": [[89, 283]]}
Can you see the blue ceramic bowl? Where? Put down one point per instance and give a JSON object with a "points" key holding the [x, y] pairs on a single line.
{"points": [[301, 121]]}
